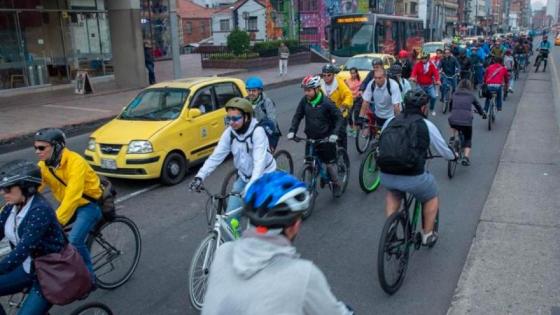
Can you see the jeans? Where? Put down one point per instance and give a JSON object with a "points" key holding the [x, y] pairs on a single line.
{"points": [[478, 74], [445, 83], [15, 282], [151, 74], [235, 202], [86, 218], [431, 91], [498, 97]]}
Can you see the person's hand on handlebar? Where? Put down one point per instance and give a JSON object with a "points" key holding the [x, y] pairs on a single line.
{"points": [[333, 138], [196, 184]]}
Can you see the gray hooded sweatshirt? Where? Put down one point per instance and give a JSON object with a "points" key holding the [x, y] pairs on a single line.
{"points": [[263, 274]]}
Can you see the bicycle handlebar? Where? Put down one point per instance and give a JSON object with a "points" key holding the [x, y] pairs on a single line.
{"points": [[298, 139], [218, 196]]}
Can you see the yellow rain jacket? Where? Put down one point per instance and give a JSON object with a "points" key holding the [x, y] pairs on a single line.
{"points": [[79, 178], [342, 97]]}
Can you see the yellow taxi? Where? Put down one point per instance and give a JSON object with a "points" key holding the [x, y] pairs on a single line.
{"points": [[363, 62], [557, 40], [165, 129]]}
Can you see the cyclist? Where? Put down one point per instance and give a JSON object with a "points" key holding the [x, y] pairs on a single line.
{"points": [[426, 76], [383, 96], [73, 184], [261, 273], [465, 63], [461, 109], [248, 144], [264, 110], [437, 58], [339, 93], [496, 49], [322, 120], [495, 77], [449, 68], [398, 176], [476, 61], [509, 63], [520, 53], [405, 64], [395, 73], [376, 63], [30, 225], [354, 82], [543, 49]]}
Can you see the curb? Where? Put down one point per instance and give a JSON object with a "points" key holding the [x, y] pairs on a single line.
{"points": [[18, 141]]}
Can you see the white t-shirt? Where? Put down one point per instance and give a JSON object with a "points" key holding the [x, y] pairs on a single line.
{"points": [[383, 102]]}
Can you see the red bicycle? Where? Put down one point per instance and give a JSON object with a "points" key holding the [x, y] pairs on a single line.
{"points": [[367, 132]]}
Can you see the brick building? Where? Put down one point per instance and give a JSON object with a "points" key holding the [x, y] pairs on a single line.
{"points": [[195, 22]]}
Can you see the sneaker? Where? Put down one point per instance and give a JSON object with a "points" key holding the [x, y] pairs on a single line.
{"points": [[337, 190], [499, 109], [466, 161], [431, 240], [433, 113]]}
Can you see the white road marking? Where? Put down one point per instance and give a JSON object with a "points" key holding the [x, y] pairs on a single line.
{"points": [[136, 193], [79, 108]]}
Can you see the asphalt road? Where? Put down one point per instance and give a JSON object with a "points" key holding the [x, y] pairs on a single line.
{"points": [[341, 236]]}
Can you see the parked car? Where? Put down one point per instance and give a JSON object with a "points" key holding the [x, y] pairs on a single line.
{"points": [[557, 40], [432, 47], [363, 62], [164, 130]]}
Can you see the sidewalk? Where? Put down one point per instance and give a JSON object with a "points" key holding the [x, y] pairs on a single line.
{"points": [[514, 261], [24, 114]]}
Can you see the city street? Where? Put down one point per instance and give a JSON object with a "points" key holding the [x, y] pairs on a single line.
{"points": [[341, 236]]}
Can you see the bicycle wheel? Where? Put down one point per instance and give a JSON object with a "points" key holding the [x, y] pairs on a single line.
{"points": [[343, 168], [115, 250], [363, 138], [490, 114], [452, 165], [369, 172], [94, 308], [227, 186], [308, 177], [393, 253], [199, 269], [446, 101], [284, 161]]}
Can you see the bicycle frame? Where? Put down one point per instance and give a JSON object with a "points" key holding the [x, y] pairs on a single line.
{"points": [[313, 160]]}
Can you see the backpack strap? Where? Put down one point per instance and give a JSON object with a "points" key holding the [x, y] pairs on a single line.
{"points": [[374, 86], [86, 197]]}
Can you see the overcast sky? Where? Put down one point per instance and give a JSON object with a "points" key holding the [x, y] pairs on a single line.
{"points": [[537, 4]]}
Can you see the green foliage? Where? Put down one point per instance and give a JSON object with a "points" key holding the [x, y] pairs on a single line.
{"points": [[230, 56], [238, 42], [270, 48]]}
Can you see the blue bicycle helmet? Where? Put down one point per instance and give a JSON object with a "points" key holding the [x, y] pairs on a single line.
{"points": [[254, 83], [276, 200]]}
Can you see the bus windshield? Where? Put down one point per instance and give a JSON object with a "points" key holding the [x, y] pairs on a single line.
{"points": [[350, 39]]}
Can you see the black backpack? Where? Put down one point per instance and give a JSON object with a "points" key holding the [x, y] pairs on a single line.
{"points": [[403, 144]]}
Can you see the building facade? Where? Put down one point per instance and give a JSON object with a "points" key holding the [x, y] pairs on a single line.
{"points": [[195, 22], [245, 15], [46, 42]]}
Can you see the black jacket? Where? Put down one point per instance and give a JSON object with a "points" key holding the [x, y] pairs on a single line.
{"points": [[406, 68], [450, 66], [461, 108], [321, 121]]}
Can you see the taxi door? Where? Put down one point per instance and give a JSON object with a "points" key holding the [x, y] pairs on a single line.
{"points": [[202, 131]]}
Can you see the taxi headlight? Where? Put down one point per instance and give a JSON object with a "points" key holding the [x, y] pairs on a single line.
{"points": [[91, 144], [140, 146]]}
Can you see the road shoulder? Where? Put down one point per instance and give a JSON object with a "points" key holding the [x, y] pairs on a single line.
{"points": [[512, 266]]}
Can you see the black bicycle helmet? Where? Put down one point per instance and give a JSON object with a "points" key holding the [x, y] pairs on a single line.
{"points": [[396, 69], [415, 99], [57, 139], [329, 68], [376, 62], [24, 174]]}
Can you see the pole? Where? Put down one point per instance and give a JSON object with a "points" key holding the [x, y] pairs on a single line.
{"points": [[476, 18], [174, 39], [292, 20]]}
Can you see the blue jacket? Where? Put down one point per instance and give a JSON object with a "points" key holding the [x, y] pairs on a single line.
{"points": [[39, 233]]}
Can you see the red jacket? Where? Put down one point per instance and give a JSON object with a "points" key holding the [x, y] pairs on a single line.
{"points": [[428, 78], [500, 77]]}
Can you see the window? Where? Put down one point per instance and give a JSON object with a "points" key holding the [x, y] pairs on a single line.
{"points": [[156, 104], [252, 24], [224, 25], [225, 92], [309, 31], [309, 5], [203, 100], [188, 28]]}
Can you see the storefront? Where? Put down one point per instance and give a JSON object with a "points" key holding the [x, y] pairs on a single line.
{"points": [[47, 41]]}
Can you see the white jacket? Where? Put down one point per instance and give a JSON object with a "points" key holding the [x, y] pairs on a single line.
{"points": [[251, 157]]}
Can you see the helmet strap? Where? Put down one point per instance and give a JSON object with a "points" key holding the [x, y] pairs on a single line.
{"points": [[56, 155]]}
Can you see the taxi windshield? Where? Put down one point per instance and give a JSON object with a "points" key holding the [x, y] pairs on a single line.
{"points": [[360, 63], [156, 104], [431, 48]]}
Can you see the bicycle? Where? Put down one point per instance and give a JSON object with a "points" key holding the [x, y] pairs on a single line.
{"points": [[492, 110], [542, 57], [368, 131], [369, 177], [220, 231], [447, 91], [314, 171], [457, 146], [15, 302], [395, 247], [108, 244]]}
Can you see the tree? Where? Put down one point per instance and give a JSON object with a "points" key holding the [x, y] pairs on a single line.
{"points": [[238, 41]]}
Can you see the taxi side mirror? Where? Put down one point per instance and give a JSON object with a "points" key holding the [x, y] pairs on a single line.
{"points": [[193, 113]]}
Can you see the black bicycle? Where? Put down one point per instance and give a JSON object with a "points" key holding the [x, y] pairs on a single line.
{"points": [[542, 57], [401, 232], [314, 172], [456, 145], [492, 109]]}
